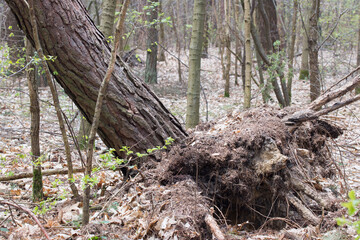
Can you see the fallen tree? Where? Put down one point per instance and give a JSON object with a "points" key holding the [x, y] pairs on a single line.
{"points": [[132, 115], [262, 167]]}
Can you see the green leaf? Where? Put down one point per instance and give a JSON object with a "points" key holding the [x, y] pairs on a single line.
{"points": [[341, 221], [352, 195]]}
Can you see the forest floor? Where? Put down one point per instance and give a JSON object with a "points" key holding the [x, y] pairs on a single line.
{"points": [[61, 216]]}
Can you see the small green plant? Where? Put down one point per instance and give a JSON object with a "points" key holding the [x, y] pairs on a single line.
{"points": [[352, 207]]}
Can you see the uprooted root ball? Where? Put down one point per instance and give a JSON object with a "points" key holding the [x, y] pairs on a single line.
{"points": [[252, 167]]}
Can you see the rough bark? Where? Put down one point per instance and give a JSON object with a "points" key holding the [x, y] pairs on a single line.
{"points": [[314, 51], [247, 88], [132, 115], [151, 44], [55, 99], [99, 103], [227, 45], [107, 17], [35, 126], [193, 91]]}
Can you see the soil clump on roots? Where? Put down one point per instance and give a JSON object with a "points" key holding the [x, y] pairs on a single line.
{"points": [[252, 168]]}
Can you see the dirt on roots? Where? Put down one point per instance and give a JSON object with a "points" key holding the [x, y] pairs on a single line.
{"points": [[251, 167]]}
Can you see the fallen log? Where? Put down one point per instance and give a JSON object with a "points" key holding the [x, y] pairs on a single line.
{"points": [[313, 110], [44, 173]]}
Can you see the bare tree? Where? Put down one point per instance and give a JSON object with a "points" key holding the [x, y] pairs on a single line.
{"points": [[196, 43]]}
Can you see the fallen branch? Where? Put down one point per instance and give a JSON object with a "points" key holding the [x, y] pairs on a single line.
{"points": [[44, 173], [214, 227], [329, 96], [30, 213], [312, 111]]}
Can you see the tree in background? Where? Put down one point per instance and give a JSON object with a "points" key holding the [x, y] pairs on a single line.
{"points": [[227, 46], [107, 17], [247, 88], [161, 51], [14, 38], [314, 50], [196, 43], [304, 69], [291, 51], [152, 43]]}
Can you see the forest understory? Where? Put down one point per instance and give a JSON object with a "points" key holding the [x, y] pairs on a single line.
{"points": [[255, 175]]}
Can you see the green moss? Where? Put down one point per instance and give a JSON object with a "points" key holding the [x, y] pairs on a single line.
{"points": [[304, 74], [226, 94], [37, 184], [357, 90]]}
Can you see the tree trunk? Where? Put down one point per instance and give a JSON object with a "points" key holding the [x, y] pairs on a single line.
{"points": [[161, 52], [205, 50], [292, 47], [196, 43], [35, 126], [314, 51], [304, 69], [151, 44], [247, 89], [55, 98], [106, 27], [107, 18], [178, 43], [132, 114], [237, 39], [227, 46]]}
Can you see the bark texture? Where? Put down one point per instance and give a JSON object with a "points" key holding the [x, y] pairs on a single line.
{"points": [[247, 87], [151, 44], [132, 115], [35, 126], [107, 18], [314, 51], [193, 92]]}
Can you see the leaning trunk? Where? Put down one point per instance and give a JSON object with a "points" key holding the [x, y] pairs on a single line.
{"points": [[132, 114]]}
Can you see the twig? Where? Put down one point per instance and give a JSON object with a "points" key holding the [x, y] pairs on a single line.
{"points": [[30, 213]]}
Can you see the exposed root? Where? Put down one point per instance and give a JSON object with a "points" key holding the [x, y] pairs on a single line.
{"points": [[305, 212], [214, 227]]}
